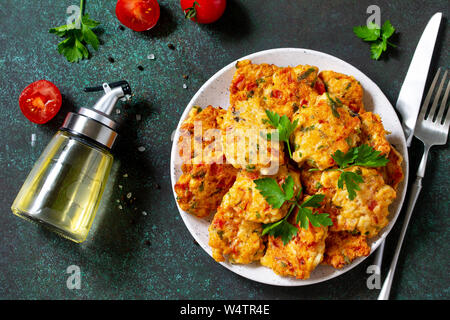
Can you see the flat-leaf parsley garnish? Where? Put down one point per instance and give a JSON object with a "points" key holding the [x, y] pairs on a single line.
{"points": [[284, 126], [378, 36], [277, 196], [77, 36], [362, 156]]}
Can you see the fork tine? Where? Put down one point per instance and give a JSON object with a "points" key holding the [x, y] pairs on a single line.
{"points": [[440, 117], [426, 102], [436, 98]]}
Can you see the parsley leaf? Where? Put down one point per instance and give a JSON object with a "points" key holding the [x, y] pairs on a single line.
{"points": [[344, 159], [387, 30], [271, 191], [378, 36], [313, 201], [363, 156], [73, 47], [284, 126], [351, 180], [305, 215], [366, 156], [281, 229], [275, 196], [367, 33]]}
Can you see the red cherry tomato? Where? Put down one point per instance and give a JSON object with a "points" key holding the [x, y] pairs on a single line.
{"points": [[40, 101], [203, 11], [138, 15]]}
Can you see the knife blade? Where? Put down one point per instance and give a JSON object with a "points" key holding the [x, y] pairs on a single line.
{"points": [[410, 96]]}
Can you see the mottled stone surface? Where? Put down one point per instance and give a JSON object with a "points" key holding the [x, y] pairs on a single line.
{"points": [[129, 255]]}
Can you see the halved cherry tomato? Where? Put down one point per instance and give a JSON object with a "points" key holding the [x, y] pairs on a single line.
{"points": [[203, 11], [138, 15], [40, 101]]}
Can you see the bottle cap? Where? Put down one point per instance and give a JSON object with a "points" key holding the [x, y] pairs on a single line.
{"points": [[96, 123]]}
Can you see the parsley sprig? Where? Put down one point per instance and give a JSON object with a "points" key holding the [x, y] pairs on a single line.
{"points": [[73, 47], [362, 156], [377, 36], [284, 126], [277, 196]]}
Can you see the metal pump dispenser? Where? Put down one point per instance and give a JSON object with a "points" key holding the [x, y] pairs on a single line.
{"points": [[64, 188], [95, 123]]}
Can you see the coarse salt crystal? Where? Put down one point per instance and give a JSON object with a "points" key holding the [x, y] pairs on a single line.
{"points": [[138, 117], [129, 194], [184, 86], [144, 213], [141, 149], [117, 111], [151, 56], [33, 139]]}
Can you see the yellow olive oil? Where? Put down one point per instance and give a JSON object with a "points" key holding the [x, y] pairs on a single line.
{"points": [[64, 188]]}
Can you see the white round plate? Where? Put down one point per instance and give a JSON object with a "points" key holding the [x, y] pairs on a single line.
{"points": [[215, 92]]}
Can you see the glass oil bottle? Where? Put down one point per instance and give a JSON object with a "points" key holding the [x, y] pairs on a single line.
{"points": [[63, 190]]}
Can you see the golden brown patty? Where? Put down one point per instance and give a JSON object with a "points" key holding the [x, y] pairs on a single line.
{"points": [[298, 257], [245, 130], [345, 88], [283, 90], [323, 129], [194, 140], [343, 247], [373, 132], [201, 187], [367, 212]]}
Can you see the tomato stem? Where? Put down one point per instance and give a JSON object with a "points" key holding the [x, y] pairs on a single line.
{"points": [[191, 12]]}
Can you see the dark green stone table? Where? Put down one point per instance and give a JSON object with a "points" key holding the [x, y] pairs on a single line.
{"points": [[129, 255]]}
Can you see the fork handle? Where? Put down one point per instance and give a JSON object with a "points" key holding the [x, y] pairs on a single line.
{"points": [[415, 191]]}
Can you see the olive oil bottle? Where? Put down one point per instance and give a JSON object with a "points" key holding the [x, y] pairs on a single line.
{"points": [[64, 188]]}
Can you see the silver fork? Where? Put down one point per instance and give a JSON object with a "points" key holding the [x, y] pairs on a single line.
{"points": [[431, 129]]}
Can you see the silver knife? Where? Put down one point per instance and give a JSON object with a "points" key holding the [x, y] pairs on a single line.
{"points": [[408, 102]]}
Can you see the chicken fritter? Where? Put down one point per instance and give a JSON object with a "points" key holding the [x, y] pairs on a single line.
{"points": [[300, 256], [367, 213], [280, 89], [246, 199], [245, 143], [197, 138], [206, 177], [201, 188], [240, 215], [341, 248], [373, 132], [235, 238], [323, 129], [310, 180], [393, 171], [345, 88]]}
